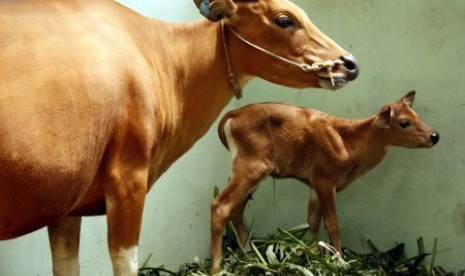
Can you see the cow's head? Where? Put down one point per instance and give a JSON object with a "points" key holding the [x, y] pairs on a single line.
{"points": [[307, 57]]}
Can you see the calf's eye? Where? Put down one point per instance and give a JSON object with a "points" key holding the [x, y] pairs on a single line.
{"points": [[404, 124]]}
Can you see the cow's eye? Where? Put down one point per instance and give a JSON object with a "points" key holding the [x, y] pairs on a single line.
{"points": [[284, 21], [404, 124]]}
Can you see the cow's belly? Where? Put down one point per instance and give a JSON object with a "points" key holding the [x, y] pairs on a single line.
{"points": [[34, 198], [51, 143], [63, 90], [91, 203]]}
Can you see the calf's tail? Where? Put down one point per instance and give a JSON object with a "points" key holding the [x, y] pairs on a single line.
{"points": [[221, 125]]}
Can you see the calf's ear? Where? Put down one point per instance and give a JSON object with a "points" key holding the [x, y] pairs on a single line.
{"points": [[383, 118], [215, 10], [409, 98]]}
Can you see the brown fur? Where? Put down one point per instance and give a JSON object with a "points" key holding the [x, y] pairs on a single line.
{"points": [[325, 152], [97, 102]]}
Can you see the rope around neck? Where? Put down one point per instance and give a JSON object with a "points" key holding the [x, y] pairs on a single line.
{"points": [[316, 66], [231, 77]]}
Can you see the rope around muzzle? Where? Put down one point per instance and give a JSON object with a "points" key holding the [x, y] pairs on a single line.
{"points": [[316, 66]]}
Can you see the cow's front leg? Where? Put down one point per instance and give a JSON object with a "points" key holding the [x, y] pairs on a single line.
{"points": [[64, 244], [125, 196]]}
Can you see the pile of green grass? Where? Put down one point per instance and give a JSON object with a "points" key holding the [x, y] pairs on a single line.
{"points": [[287, 252]]}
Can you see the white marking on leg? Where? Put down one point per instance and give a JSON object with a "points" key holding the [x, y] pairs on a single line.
{"points": [[125, 261], [133, 263]]}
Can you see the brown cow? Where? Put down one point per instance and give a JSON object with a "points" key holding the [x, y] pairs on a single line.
{"points": [[325, 152], [97, 102]]}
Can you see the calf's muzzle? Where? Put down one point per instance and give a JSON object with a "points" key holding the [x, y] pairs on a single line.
{"points": [[434, 137]]}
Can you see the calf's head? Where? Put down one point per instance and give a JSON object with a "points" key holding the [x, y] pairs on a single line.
{"points": [[402, 125], [280, 28]]}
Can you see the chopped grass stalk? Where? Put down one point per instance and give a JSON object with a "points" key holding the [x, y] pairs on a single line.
{"points": [[287, 252]]}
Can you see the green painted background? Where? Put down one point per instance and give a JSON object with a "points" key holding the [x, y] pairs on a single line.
{"points": [[401, 45]]}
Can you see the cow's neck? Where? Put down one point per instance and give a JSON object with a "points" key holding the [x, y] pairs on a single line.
{"points": [[195, 64], [202, 81]]}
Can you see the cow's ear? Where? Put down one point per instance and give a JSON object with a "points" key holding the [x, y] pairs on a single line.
{"points": [[215, 10]]}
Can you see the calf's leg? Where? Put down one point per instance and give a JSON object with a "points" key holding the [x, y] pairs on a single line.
{"points": [[230, 204], [327, 199], [314, 215], [237, 218]]}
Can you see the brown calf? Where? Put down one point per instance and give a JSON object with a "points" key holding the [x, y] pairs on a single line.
{"points": [[325, 152]]}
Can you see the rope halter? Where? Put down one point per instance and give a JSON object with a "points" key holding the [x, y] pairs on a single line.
{"points": [[316, 66]]}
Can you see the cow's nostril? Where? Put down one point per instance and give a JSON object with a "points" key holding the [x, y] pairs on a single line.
{"points": [[434, 137], [350, 65]]}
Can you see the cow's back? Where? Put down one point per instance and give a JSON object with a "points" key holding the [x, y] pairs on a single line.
{"points": [[64, 71]]}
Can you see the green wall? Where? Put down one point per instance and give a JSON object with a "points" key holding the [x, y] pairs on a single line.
{"points": [[401, 45]]}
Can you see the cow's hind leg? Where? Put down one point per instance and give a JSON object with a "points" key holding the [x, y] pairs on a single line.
{"points": [[64, 243]]}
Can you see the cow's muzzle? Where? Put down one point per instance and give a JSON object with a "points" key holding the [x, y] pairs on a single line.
{"points": [[350, 66], [338, 75]]}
